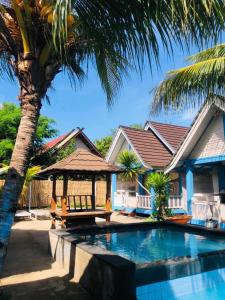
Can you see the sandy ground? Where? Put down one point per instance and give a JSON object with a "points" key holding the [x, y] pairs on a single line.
{"points": [[30, 272]]}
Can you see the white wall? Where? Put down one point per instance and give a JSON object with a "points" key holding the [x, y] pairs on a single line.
{"points": [[212, 141]]}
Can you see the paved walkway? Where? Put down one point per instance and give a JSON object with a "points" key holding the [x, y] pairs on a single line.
{"points": [[30, 273]]}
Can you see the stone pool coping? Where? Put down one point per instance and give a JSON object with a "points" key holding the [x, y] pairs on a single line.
{"points": [[106, 274]]}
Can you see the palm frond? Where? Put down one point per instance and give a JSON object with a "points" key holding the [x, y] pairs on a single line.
{"points": [[6, 68], [189, 86], [133, 31], [113, 35], [214, 52], [130, 165], [135, 27], [31, 172], [111, 69]]}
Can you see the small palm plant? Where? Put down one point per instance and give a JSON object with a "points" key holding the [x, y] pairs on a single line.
{"points": [[31, 173], [161, 184], [131, 167]]}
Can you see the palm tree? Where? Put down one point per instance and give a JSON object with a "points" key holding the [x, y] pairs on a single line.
{"points": [[189, 86], [131, 168], [40, 38], [161, 185]]}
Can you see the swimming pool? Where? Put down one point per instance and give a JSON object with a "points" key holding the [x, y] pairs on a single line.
{"points": [[147, 245], [145, 261]]}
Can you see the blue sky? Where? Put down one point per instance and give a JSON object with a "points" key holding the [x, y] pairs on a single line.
{"points": [[86, 106]]}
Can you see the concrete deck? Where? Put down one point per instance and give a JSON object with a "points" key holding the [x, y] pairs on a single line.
{"points": [[30, 272]]}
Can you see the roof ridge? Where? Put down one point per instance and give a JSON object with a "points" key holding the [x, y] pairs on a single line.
{"points": [[137, 129], [160, 123]]}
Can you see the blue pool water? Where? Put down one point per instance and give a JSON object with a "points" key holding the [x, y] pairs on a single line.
{"points": [[204, 286], [142, 246]]}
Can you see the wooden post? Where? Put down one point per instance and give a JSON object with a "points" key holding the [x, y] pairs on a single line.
{"points": [[53, 200], [93, 196], [64, 197], [108, 193]]}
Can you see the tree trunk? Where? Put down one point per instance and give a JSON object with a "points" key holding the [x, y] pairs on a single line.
{"points": [[30, 105]]}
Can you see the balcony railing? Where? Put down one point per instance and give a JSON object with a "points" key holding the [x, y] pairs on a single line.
{"points": [[129, 199], [175, 201], [125, 198], [144, 201]]}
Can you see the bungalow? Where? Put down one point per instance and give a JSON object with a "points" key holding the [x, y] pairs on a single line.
{"points": [[200, 163], [75, 138], [154, 147], [77, 135]]}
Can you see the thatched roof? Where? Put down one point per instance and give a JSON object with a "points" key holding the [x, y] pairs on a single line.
{"points": [[81, 161]]}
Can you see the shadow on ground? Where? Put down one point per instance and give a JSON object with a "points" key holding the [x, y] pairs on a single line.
{"points": [[28, 252], [50, 288], [29, 271]]}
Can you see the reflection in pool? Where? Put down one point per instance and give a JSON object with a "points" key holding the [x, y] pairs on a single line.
{"points": [[142, 246]]}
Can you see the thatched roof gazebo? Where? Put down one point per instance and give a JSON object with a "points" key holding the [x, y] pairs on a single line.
{"points": [[79, 208]]}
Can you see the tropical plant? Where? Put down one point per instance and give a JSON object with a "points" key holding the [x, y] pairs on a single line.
{"points": [[104, 144], [161, 186], [30, 174], [40, 38], [131, 167], [189, 86]]}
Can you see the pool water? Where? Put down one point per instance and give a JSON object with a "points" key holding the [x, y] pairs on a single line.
{"points": [[148, 245], [204, 286]]}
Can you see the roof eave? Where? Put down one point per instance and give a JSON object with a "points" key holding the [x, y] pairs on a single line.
{"points": [[190, 134]]}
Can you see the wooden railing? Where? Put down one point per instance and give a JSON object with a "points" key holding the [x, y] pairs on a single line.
{"points": [[76, 202]]}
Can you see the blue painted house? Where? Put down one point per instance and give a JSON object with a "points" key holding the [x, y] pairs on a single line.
{"points": [[154, 147], [200, 163]]}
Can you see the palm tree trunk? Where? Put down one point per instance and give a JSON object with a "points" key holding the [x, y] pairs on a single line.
{"points": [[30, 105]]}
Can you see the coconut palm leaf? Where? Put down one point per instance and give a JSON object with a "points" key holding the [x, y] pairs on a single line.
{"points": [[189, 86], [31, 173], [113, 36], [132, 31]]}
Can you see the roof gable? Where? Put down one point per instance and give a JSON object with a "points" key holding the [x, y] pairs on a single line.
{"points": [[193, 135], [61, 141], [171, 135], [151, 152]]}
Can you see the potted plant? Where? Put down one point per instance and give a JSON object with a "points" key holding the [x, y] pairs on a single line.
{"points": [[161, 186]]}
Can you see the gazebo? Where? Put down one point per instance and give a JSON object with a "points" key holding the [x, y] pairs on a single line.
{"points": [[76, 209]]}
